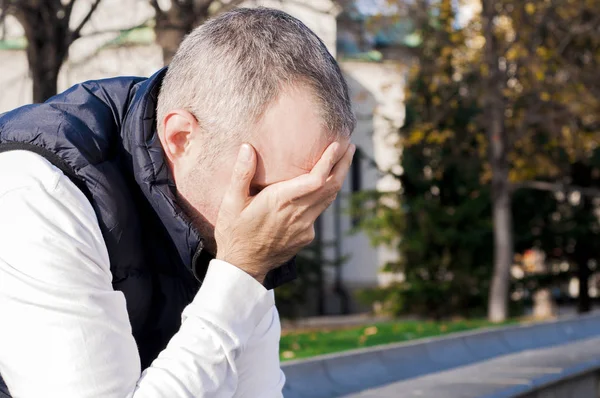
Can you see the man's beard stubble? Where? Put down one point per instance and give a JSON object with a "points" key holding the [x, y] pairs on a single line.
{"points": [[204, 227]]}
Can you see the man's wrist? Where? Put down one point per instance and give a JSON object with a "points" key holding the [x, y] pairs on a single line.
{"points": [[250, 269]]}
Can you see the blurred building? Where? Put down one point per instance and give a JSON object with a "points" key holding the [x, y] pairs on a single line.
{"points": [[372, 55]]}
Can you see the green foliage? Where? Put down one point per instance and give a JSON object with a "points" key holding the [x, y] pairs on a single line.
{"points": [[293, 296], [564, 226], [300, 297], [441, 221]]}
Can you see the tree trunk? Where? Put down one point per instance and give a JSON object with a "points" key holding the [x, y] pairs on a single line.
{"points": [[339, 287], [319, 257], [48, 39], [585, 246], [498, 156], [584, 304], [169, 39], [45, 80], [173, 24], [503, 246]]}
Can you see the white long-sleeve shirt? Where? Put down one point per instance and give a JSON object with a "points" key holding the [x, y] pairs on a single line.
{"points": [[64, 331]]}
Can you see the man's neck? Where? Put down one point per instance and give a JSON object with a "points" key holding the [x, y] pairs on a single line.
{"points": [[204, 227]]}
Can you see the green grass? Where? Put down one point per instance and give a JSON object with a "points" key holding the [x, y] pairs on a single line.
{"points": [[295, 345]]}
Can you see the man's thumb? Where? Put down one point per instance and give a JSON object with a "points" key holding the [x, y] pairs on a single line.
{"points": [[243, 172]]}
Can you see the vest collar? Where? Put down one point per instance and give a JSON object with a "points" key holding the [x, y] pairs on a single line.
{"points": [[153, 175]]}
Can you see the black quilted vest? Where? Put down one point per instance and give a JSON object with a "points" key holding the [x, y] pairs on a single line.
{"points": [[102, 135]]}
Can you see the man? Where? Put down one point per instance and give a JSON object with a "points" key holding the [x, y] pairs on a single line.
{"points": [[116, 195]]}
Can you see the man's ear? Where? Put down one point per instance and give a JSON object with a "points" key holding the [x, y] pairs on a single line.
{"points": [[179, 126]]}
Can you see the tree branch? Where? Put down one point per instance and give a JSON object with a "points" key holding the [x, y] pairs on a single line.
{"points": [[156, 6], [3, 13], [144, 24], [225, 7], [77, 31], [573, 32], [556, 187], [68, 9], [311, 7]]}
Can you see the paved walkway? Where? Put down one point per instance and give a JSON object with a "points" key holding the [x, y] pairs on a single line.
{"points": [[505, 376]]}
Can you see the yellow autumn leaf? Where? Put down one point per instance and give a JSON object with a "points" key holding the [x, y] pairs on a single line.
{"points": [[439, 137], [288, 354], [539, 75], [455, 37], [416, 137], [512, 53], [484, 70], [530, 8], [545, 96], [370, 331]]}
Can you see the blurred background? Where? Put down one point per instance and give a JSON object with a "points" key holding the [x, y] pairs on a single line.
{"points": [[474, 196]]}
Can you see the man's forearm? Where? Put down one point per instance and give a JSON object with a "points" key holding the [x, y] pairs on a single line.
{"points": [[201, 359], [65, 331]]}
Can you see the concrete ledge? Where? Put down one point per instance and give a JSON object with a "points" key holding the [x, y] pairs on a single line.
{"points": [[565, 371], [353, 371], [547, 381]]}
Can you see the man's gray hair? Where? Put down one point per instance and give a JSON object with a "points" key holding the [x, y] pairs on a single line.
{"points": [[229, 70]]}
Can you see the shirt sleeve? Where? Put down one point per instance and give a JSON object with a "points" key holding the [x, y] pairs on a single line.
{"points": [[264, 379], [65, 331]]}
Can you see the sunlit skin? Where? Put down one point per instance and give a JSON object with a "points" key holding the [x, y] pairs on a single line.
{"points": [[289, 140]]}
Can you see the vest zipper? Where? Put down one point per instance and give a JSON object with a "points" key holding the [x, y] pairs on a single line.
{"points": [[195, 259]]}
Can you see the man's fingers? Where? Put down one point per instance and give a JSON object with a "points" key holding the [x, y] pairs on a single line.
{"points": [[329, 158], [340, 170], [241, 178], [307, 184], [322, 199]]}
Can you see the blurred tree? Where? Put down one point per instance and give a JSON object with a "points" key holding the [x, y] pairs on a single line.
{"points": [[442, 216], [552, 113], [176, 18], [566, 227], [305, 296], [296, 298], [515, 85], [46, 24], [446, 234], [494, 106], [539, 107]]}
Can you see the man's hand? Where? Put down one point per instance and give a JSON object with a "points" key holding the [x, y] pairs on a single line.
{"points": [[258, 233]]}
